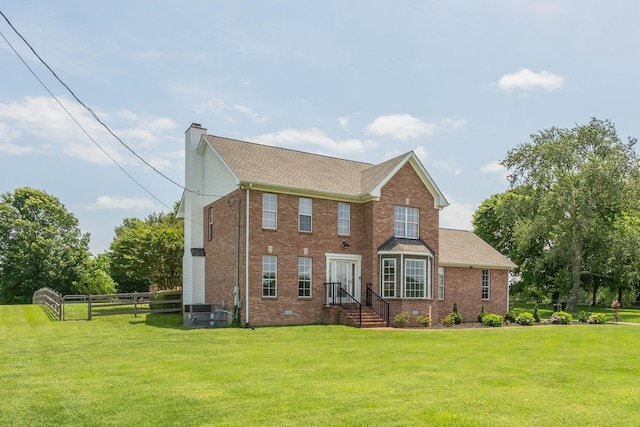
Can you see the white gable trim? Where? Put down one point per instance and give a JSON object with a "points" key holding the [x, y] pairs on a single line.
{"points": [[439, 201]]}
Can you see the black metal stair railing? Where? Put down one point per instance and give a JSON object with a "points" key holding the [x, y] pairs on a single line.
{"points": [[337, 295], [378, 304]]}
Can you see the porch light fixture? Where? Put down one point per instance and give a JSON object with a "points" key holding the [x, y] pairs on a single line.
{"points": [[346, 244]]}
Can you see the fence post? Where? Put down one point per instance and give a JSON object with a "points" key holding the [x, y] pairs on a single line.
{"points": [[89, 309], [135, 304], [60, 307]]}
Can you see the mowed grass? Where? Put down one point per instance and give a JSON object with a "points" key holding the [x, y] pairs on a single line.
{"points": [[147, 371]]}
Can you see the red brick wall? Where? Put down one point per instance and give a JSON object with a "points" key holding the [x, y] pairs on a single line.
{"points": [[464, 286], [405, 184]]}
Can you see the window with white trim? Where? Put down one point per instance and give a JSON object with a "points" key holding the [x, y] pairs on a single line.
{"points": [[210, 224], [304, 277], [344, 219], [269, 210], [406, 222], [388, 277], [269, 276], [486, 284], [305, 209], [415, 278], [440, 282]]}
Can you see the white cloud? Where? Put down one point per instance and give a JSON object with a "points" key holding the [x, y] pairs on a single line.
{"points": [[228, 112], [140, 204], [493, 167], [400, 126], [295, 137], [422, 153], [48, 128], [450, 124], [457, 215], [527, 80], [344, 122]]}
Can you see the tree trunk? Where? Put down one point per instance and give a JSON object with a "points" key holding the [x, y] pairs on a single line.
{"points": [[595, 291], [576, 271], [620, 296]]}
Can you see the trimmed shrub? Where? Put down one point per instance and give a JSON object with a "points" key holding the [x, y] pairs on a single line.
{"points": [[449, 320], [525, 319], [582, 317], [536, 313], [425, 321], [162, 296], [597, 318], [401, 319], [458, 318], [481, 314], [510, 315], [561, 318], [493, 320]]}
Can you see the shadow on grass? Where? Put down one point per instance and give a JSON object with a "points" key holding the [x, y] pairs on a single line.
{"points": [[51, 315], [162, 320]]}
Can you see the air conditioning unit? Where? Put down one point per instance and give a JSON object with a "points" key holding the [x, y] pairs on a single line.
{"points": [[206, 316]]}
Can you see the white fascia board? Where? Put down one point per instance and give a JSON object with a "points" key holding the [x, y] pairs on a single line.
{"points": [[412, 253], [180, 213], [478, 266], [439, 201], [296, 191]]}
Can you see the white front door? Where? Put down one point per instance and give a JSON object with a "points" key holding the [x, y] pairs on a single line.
{"points": [[346, 271]]}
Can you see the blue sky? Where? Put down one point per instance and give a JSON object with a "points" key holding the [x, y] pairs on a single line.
{"points": [[458, 82]]}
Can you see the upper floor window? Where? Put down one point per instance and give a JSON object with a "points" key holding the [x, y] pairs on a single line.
{"points": [[406, 222], [305, 208], [486, 284], [269, 210], [210, 224], [344, 219]]}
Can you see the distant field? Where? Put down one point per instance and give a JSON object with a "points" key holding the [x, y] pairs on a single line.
{"points": [[147, 371]]}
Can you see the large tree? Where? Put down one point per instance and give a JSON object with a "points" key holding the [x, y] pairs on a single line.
{"points": [[581, 181], [40, 245], [148, 252]]}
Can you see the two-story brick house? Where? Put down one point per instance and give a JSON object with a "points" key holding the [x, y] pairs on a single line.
{"points": [[267, 228]]}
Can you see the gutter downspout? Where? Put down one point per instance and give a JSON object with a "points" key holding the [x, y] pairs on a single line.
{"points": [[246, 264]]}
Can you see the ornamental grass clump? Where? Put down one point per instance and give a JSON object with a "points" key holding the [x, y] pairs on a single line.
{"points": [[425, 321], [481, 314], [582, 317], [493, 320], [525, 319], [597, 319], [449, 320], [401, 319], [561, 318]]}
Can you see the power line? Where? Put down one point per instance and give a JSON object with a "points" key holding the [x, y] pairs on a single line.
{"points": [[95, 116], [77, 123]]}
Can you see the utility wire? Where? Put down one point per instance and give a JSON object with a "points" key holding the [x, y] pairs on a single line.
{"points": [[78, 123], [95, 116]]}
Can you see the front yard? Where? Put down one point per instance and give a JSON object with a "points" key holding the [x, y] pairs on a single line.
{"points": [[121, 370]]}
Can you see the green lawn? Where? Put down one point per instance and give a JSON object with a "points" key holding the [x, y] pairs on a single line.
{"points": [[147, 371]]}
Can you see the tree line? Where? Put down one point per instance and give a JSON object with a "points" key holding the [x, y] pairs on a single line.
{"points": [[41, 244], [571, 217]]}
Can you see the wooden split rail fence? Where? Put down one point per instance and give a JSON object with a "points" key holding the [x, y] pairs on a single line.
{"points": [[71, 306]]}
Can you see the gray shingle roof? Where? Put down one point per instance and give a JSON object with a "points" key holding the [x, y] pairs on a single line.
{"points": [[255, 163], [465, 249]]}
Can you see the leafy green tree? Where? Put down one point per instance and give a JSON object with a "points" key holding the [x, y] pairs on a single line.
{"points": [[40, 245], [96, 279], [147, 253], [582, 181]]}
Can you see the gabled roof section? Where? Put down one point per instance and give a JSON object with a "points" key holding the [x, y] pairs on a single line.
{"points": [[281, 169], [462, 248]]}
